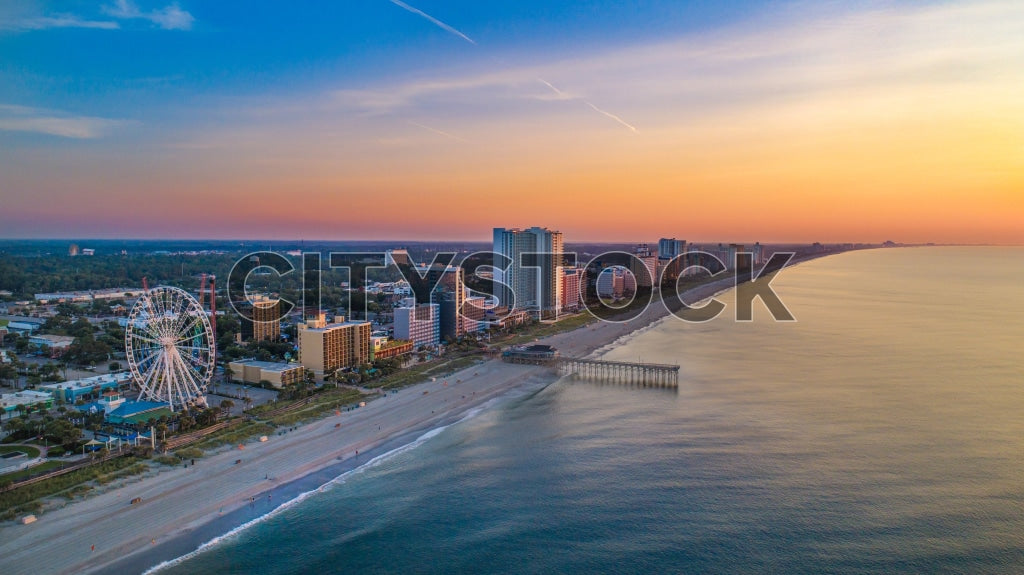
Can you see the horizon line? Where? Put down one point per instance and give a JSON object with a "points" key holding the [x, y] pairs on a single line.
{"points": [[414, 241]]}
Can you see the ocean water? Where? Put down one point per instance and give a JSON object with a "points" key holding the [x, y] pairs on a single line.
{"points": [[882, 432]]}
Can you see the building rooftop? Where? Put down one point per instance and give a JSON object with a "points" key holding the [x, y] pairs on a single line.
{"points": [[540, 348], [24, 319], [132, 407], [89, 381], [331, 326], [26, 397], [140, 411], [268, 365], [54, 339]]}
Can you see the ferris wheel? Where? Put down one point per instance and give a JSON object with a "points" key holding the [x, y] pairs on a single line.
{"points": [[169, 345]]}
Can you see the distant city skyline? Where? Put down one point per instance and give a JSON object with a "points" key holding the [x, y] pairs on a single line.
{"points": [[748, 121]]}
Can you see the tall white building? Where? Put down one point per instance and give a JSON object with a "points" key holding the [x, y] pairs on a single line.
{"points": [[537, 289], [672, 266]]}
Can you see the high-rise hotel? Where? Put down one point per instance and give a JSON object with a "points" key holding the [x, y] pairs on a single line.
{"points": [[266, 320], [536, 288], [263, 321]]}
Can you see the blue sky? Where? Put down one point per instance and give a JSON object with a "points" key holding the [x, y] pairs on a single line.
{"points": [[83, 58], [121, 117], [158, 71]]}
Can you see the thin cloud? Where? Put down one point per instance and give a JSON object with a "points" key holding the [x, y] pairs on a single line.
{"points": [[561, 95], [57, 21], [25, 119], [170, 17], [386, 100], [439, 132], [435, 21]]}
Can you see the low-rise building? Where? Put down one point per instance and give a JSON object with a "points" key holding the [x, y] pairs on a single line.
{"points": [[87, 296], [27, 400], [89, 387], [57, 344], [22, 325], [278, 374], [502, 318], [393, 348], [139, 412]]}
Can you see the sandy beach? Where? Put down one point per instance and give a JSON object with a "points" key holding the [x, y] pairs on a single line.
{"points": [[217, 494]]}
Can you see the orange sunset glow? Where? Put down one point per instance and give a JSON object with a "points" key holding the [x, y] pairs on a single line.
{"points": [[880, 123]]}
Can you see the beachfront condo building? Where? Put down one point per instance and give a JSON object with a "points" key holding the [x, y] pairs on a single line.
{"points": [[572, 279], [535, 288], [611, 282], [670, 265], [418, 323], [450, 295], [324, 347], [645, 266], [669, 248]]}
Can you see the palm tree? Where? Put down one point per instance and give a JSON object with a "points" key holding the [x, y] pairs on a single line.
{"points": [[186, 422], [14, 426], [7, 372], [226, 404]]}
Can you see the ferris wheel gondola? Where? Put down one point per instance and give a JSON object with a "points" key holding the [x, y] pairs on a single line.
{"points": [[169, 345]]}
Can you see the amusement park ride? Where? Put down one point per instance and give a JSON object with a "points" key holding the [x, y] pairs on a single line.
{"points": [[170, 344]]}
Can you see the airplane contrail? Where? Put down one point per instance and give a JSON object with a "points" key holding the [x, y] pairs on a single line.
{"points": [[562, 94], [610, 115], [437, 22], [436, 131], [554, 89]]}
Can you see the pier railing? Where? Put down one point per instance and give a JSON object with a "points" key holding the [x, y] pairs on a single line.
{"points": [[658, 374]]}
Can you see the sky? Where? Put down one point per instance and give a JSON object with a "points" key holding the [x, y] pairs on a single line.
{"points": [[423, 120]]}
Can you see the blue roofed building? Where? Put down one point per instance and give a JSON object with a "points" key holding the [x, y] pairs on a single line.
{"points": [[88, 388], [138, 412]]}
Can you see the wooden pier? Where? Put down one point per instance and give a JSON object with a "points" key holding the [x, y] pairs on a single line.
{"points": [[656, 374]]}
